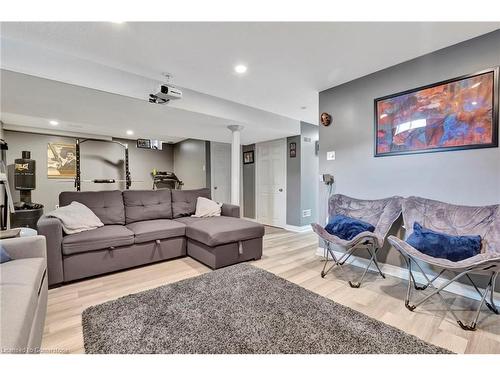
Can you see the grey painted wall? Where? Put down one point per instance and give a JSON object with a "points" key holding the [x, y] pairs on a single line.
{"points": [[309, 172], [99, 160], [302, 177], [293, 185], [190, 163], [248, 171], [470, 177], [208, 166]]}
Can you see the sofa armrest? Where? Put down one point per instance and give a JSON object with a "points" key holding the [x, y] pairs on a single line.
{"points": [[51, 228], [25, 247], [230, 210]]}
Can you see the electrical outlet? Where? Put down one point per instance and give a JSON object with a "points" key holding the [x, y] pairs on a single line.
{"points": [[330, 155]]}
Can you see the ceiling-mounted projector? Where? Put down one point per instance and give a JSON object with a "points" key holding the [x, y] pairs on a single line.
{"points": [[165, 94]]}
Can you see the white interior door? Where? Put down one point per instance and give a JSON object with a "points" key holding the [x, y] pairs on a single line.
{"points": [[271, 182], [220, 171]]}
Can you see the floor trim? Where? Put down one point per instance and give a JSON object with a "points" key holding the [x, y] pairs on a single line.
{"points": [[402, 273], [291, 228], [297, 229]]}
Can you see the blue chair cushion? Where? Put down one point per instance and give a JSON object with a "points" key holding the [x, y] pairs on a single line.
{"points": [[346, 227], [4, 256], [441, 245]]}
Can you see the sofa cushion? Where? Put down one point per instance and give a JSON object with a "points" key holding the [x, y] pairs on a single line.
{"points": [[24, 271], [214, 231], [20, 281], [107, 205], [160, 229], [143, 205], [76, 217], [188, 219], [442, 245], [4, 255], [184, 201], [108, 236], [346, 228], [207, 208]]}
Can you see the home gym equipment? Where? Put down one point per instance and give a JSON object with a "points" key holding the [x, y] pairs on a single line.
{"points": [[26, 213], [78, 179], [7, 203], [166, 180]]}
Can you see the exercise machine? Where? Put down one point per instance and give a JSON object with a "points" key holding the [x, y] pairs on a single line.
{"points": [[26, 213], [7, 204], [78, 179], [166, 180]]}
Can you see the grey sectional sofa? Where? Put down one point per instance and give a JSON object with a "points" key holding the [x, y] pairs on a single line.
{"points": [[146, 226], [23, 295]]}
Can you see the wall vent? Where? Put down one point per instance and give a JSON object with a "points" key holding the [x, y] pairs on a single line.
{"points": [[306, 213]]}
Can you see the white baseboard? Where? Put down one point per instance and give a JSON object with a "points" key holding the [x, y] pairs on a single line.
{"points": [[297, 229], [291, 228], [402, 273]]}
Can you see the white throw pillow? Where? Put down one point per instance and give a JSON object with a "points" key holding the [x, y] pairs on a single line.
{"points": [[207, 208], [76, 217]]}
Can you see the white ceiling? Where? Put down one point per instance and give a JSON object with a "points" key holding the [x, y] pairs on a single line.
{"points": [[30, 102], [288, 63]]}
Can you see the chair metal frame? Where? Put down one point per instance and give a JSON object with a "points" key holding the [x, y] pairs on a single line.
{"points": [[490, 289], [340, 261], [417, 209]]}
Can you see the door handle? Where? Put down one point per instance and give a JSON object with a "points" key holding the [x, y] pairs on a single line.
{"points": [[280, 190]]}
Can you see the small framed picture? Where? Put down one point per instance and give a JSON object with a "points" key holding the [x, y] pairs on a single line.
{"points": [[61, 160], [248, 157], [293, 150]]}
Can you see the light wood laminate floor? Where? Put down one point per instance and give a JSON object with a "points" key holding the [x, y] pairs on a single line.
{"points": [[291, 256]]}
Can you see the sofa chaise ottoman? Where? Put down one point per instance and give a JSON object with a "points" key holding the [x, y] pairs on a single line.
{"points": [[146, 226]]}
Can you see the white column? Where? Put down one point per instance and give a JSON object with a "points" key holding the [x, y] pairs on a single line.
{"points": [[235, 163]]}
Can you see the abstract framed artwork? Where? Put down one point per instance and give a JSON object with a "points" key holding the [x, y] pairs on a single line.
{"points": [[457, 114]]}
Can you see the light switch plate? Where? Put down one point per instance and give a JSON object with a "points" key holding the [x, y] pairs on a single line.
{"points": [[330, 155]]}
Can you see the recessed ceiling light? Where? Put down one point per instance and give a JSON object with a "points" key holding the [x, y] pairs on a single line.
{"points": [[54, 122], [130, 132], [240, 69]]}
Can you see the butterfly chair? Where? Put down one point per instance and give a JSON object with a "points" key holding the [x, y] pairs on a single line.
{"points": [[454, 220], [381, 213]]}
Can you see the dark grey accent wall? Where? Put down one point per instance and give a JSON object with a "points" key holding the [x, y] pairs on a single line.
{"points": [[99, 160], [190, 163], [469, 177], [208, 166], [309, 172], [248, 184], [293, 185], [302, 177]]}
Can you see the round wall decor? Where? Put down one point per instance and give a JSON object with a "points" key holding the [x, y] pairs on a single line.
{"points": [[326, 119]]}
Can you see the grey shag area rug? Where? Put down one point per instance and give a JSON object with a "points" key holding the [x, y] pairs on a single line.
{"points": [[238, 309]]}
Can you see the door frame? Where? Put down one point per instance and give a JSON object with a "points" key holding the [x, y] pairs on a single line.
{"points": [[258, 166]]}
